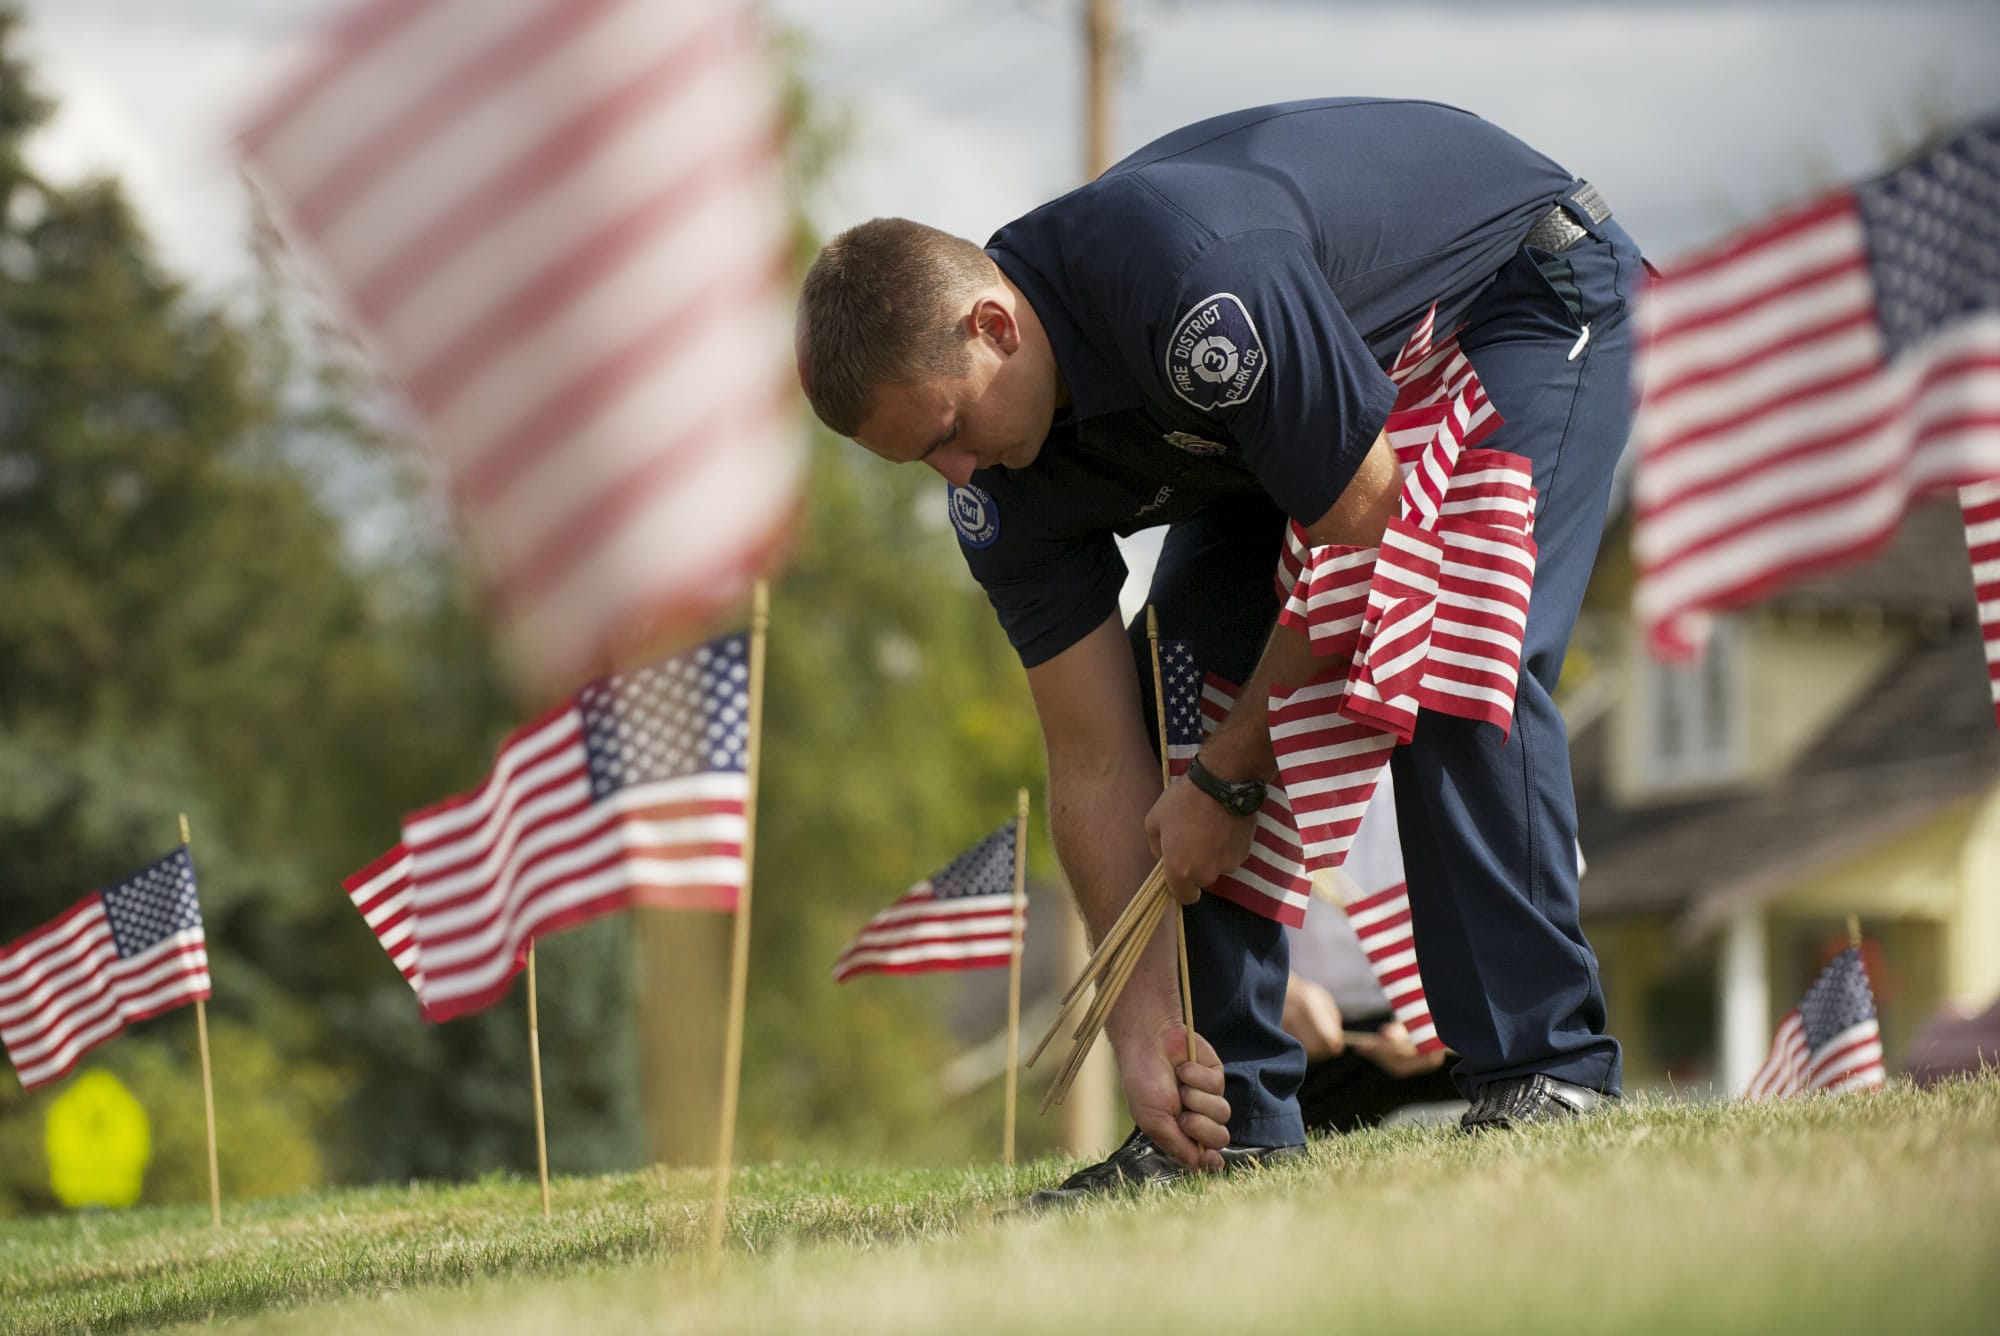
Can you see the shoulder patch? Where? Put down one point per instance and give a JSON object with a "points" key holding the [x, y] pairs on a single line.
{"points": [[973, 514], [1214, 358]]}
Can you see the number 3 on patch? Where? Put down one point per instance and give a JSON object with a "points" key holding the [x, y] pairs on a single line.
{"points": [[1215, 358]]}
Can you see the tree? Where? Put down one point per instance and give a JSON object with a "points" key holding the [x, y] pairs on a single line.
{"points": [[200, 615], [185, 628]]}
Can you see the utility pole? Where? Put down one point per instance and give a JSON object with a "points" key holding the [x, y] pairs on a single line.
{"points": [[1089, 1116], [1100, 55]]}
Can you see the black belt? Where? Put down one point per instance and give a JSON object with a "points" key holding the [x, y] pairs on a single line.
{"points": [[1558, 230]]}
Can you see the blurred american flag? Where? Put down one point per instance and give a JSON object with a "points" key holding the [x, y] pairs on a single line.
{"points": [[1807, 377], [1830, 1042], [559, 226], [965, 917]]}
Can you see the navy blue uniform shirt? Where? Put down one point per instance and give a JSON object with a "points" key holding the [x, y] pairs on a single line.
{"points": [[1221, 306]]}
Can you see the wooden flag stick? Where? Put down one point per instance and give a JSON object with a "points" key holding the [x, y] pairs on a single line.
{"points": [[535, 1068], [1166, 779], [1854, 931], [207, 1087], [1017, 936], [739, 955]]}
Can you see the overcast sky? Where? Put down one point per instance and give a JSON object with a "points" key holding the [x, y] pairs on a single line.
{"points": [[1689, 116]]}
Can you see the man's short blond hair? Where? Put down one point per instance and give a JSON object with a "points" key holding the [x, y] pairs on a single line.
{"points": [[881, 306]]}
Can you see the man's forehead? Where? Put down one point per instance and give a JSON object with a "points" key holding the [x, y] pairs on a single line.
{"points": [[905, 420]]}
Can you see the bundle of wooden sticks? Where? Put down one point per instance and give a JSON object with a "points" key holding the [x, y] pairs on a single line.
{"points": [[1109, 967]]}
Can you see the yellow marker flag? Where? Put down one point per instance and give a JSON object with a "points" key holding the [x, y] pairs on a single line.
{"points": [[98, 1142]]}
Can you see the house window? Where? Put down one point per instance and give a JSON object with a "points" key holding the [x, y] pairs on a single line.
{"points": [[1693, 718]]}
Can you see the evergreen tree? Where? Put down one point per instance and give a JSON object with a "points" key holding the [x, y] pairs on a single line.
{"points": [[199, 612]]}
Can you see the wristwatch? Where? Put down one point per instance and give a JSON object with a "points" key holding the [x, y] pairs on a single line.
{"points": [[1238, 798]]}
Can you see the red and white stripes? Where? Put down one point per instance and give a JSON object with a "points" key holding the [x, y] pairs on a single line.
{"points": [[1981, 507], [1382, 922], [531, 851], [1433, 619], [381, 892], [64, 989], [1775, 436], [1851, 1060], [559, 225], [1272, 880]]}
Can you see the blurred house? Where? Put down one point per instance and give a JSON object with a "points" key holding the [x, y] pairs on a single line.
{"points": [[1835, 753]]}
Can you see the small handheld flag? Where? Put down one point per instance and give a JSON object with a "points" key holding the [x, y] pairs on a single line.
{"points": [[962, 918], [1831, 1042], [122, 954], [632, 792]]}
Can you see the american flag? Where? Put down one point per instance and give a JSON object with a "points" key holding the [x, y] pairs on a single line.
{"points": [[559, 225], [966, 917], [1272, 880], [1804, 379], [381, 892], [1434, 619], [1382, 922], [1980, 504], [120, 955], [633, 792], [1831, 1042]]}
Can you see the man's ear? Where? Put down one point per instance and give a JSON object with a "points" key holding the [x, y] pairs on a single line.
{"points": [[994, 319]]}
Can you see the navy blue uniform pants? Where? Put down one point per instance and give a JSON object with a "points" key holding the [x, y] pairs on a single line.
{"points": [[1488, 824]]}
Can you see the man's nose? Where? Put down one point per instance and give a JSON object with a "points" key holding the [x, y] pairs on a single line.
{"points": [[955, 466]]}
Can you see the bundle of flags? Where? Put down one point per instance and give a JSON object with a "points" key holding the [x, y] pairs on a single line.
{"points": [[965, 917], [1435, 618], [1273, 880], [1830, 1042], [119, 955], [1804, 380], [630, 793], [559, 226]]}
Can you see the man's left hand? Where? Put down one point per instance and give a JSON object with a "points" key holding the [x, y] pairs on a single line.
{"points": [[1196, 839]]}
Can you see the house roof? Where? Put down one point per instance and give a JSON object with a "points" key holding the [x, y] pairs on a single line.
{"points": [[1922, 571], [1920, 737]]}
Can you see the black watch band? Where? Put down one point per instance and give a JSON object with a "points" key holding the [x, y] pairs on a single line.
{"points": [[1241, 798]]}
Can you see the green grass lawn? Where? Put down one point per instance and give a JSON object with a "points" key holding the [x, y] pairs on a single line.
{"points": [[1859, 1213]]}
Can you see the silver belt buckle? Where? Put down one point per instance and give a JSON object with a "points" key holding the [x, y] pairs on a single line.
{"points": [[1557, 230]]}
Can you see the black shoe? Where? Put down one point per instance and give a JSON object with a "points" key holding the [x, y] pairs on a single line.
{"points": [[1525, 1100], [1140, 1163]]}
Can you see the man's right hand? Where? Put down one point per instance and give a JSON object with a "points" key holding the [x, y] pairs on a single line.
{"points": [[1177, 1103]]}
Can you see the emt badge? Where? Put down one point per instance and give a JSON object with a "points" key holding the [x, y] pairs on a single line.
{"points": [[974, 515]]}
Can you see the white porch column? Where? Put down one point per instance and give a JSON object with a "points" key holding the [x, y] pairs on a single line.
{"points": [[1744, 1002]]}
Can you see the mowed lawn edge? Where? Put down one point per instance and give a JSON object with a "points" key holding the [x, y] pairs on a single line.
{"points": [[1847, 1213]]}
